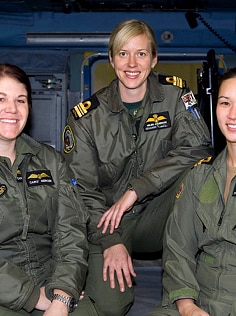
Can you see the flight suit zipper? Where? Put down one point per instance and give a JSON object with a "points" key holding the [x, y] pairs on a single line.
{"points": [[26, 216]]}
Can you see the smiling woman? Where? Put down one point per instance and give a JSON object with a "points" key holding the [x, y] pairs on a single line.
{"points": [[14, 109], [199, 242], [126, 151], [226, 110], [132, 65], [42, 267]]}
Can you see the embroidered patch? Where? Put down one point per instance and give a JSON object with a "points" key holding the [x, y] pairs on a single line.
{"points": [[157, 121], [190, 102], [181, 188], [209, 191], [3, 189], [19, 176], [189, 99], [39, 177], [68, 139]]}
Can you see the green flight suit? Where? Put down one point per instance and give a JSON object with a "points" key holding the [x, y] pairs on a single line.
{"points": [[107, 149], [199, 259], [43, 236]]}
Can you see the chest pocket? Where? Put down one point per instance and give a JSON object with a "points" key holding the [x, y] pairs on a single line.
{"points": [[40, 189]]}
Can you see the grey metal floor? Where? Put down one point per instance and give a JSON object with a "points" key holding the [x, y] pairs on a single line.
{"points": [[148, 289]]}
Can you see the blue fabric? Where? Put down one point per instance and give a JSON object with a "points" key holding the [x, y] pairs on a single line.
{"points": [[148, 290]]}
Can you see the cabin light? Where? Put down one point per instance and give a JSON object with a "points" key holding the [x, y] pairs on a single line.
{"points": [[167, 37], [72, 39]]}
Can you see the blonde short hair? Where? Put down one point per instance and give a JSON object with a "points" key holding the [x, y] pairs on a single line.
{"points": [[128, 29]]}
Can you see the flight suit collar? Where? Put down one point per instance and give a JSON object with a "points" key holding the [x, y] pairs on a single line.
{"points": [[27, 145], [156, 92], [221, 159], [114, 96]]}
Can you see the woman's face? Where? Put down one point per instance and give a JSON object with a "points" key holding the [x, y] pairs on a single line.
{"points": [[133, 63], [226, 109], [14, 108]]}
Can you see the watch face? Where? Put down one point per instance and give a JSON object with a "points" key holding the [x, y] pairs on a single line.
{"points": [[72, 304]]}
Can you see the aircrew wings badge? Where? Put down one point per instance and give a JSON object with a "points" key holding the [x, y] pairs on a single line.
{"points": [[39, 177], [157, 121]]}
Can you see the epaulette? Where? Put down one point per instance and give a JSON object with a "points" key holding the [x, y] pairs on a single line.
{"points": [[82, 108], [172, 80], [207, 160]]}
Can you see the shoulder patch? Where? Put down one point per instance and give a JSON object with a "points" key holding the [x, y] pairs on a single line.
{"points": [[68, 139], [180, 191], [82, 108], [172, 80], [3, 189], [207, 160]]}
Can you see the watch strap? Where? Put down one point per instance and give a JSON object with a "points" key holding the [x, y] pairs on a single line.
{"points": [[69, 301]]}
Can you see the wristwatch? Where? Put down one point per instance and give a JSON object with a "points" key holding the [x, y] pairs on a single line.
{"points": [[69, 301]]}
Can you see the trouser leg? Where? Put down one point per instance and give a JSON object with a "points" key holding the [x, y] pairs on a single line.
{"points": [[148, 234], [86, 307], [8, 312], [111, 302], [162, 311], [141, 233]]}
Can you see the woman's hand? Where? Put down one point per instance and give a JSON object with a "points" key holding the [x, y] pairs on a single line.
{"points": [[187, 307], [118, 263], [43, 302], [112, 217]]}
